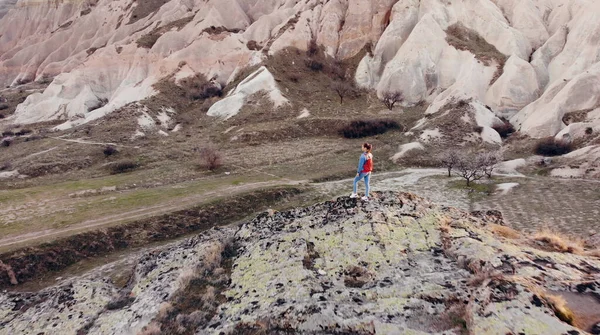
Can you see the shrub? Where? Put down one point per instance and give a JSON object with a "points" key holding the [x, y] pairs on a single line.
{"points": [[198, 88], [147, 41], [550, 146], [2, 116], [253, 45], [110, 150], [6, 166], [7, 142], [449, 160], [294, 78], [312, 48], [33, 138], [23, 132], [365, 128], [470, 169], [474, 167], [210, 158], [391, 98], [505, 129], [478, 129], [3, 107], [8, 133], [342, 89], [555, 241], [589, 131], [487, 161], [314, 65], [504, 231], [124, 166]]}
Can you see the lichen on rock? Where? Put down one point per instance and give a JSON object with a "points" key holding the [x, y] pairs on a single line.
{"points": [[397, 264]]}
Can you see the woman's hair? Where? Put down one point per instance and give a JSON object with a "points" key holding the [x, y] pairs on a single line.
{"points": [[368, 146]]}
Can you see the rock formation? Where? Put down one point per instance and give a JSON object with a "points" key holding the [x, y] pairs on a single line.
{"points": [[532, 61], [396, 265]]}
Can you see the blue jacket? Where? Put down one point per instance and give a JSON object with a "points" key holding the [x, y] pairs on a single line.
{"points": [[361, 163]]}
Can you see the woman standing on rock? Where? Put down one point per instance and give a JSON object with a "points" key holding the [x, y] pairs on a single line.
{"points": [[365, 166]]}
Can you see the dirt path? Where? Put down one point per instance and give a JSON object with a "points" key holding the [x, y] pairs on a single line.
{"points": [[170, 206]]}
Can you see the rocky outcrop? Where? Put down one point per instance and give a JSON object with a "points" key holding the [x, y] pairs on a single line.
{"points": [[260, 81], [98, 50], [395, 265]]}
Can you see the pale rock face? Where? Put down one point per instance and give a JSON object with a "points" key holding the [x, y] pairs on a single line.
{"points": [[405, 148], [260, 81], [90, 47], [542, 57], [332, 18], [416, 59], [580, 130], [527, 16], [544, 116], [371, 67], [516, 88], [581, 48], [5, 6]]}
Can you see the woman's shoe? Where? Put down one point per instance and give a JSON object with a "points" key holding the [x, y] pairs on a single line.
{"points": [[364, 198], [353, 196]]}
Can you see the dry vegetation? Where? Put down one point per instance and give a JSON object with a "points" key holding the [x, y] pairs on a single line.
{"points": [[463, 38], [554, 241], [145, 8], [200, 292], [550, 146], [504, 231], [147, 41]]}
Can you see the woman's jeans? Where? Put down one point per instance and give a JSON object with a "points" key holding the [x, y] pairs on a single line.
{"points": [[366, 177]]}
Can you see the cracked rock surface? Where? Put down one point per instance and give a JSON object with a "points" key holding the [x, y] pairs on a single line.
{"points": [[398, 264]]}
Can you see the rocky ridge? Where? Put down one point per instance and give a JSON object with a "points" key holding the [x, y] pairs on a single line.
{"points": [[398, 264]]}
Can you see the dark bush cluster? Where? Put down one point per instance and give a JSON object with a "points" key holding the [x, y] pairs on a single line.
{"points": [[478, 129], [314, 65], [198, 88], [23, 132], [6, 142], [589, 131], [505, 129], [110, 150], [8, 133], [124, 166], [550, 146], [365, 128], [3, 107], [253, 45]]}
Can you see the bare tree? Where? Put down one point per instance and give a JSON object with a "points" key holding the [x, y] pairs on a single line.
{"points": [[210, 158], [470, 168], [343, 89], [449, 160], [391, 98], [488, 161]]}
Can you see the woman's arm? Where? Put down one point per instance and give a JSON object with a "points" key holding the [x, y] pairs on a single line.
{"points": [[361, 164]]}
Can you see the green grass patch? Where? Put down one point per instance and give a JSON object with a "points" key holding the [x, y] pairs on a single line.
{"points": [[476, 191]]}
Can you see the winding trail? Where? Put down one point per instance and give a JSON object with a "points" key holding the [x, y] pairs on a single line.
{"points": [[166, 207]]}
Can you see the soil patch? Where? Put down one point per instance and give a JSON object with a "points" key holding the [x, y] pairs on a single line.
{"points": [[36, 262]]}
